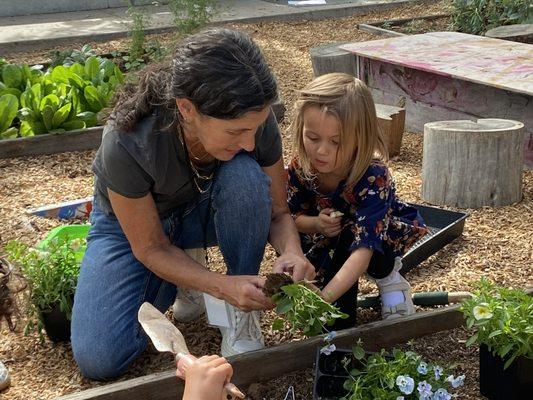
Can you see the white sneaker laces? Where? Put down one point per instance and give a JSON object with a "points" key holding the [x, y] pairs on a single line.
{"points": [[247, 326]]}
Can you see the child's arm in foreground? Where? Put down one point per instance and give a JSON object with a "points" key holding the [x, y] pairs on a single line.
{"points": [[206, 377], [354, 267]]}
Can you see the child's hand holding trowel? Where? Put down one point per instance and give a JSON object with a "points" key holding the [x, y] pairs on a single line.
{"points": [[205, 378]]}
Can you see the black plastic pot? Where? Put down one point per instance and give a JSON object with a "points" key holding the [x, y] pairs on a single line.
{"points": [[56, 324], [330, 374], [497, 383]]}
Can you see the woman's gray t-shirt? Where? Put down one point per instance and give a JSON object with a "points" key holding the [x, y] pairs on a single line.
{"points": [[152, 159]]}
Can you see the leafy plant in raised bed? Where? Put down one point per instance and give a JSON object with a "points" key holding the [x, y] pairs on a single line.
{"points": [[301, 306], [52, 275], [190, 15], [503, 320], [396, 375], [478, 16], [71, 56], [61, 99]]}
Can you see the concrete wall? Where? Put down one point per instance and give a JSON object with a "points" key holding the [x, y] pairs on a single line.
{"points": [[9, 8]]}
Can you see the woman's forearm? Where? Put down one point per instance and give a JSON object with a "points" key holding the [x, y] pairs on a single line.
{"points": [[353, 268], [284, 236], [173, 265]]}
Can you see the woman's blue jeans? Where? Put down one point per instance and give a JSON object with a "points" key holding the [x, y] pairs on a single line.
{"points": [[106, 336]]}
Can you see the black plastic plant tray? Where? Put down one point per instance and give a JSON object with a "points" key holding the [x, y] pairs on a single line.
{"points": [[444, 226], [330, 374]]}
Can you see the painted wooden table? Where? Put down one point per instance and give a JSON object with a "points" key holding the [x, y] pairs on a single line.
{"points": [[451, 75]]}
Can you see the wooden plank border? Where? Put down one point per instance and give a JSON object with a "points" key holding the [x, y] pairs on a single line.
{"points": [[272, 362], [376, 27], [78, 140]]}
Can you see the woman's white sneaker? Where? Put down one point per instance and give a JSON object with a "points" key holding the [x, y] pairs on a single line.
{"points": [[243, 334]]}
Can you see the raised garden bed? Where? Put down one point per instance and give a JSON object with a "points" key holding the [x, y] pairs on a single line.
{"points": [[408, 26]]}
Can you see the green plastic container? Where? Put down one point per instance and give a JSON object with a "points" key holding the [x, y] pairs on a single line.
{"points": [[72, 232]]}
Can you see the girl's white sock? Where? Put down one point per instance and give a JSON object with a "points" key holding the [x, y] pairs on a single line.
{"points": [[391, 299]]}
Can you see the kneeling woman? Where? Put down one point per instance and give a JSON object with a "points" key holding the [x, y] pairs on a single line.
{"points": [[191, 157]]}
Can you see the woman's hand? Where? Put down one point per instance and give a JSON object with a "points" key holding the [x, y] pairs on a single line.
{"points": [[295, 264], [205, 378], [327, 225], [245, 292]]}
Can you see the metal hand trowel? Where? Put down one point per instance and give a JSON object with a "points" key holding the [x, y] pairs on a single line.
{"points": [[167, 338]]}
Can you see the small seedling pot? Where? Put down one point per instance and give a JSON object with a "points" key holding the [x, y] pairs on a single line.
{"points": [[330, 374], [497, 383], [56, 324]]}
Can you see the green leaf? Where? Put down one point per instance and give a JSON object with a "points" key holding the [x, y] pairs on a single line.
{"points": [[12, 76], [88, 117], [61, 115], [9, 105], [51, 101], [73, 125], [10, 133], [27, 114], [14, 91], [25, 129], [358, 352], [48, 115], [284, 305], [471, 340], [92, 67], [91, 96], [277, 324]]}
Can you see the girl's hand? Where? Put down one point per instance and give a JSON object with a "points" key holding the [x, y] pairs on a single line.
{"points": [[297, 265], [326, 225], [205, 378]]}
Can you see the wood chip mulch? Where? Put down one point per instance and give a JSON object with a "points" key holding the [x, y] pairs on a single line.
{"points": [[496, 242]]}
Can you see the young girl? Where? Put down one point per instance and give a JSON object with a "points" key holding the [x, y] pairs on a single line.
{"points": [[343, 198]]}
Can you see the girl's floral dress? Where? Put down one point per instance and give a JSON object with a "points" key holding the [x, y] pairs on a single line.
{"points": [[373, 214]]}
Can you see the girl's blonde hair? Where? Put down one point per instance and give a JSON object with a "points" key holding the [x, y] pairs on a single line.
{"points": [[350, 101]]}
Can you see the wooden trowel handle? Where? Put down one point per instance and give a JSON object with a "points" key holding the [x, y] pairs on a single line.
{"points": [[230, 392]]}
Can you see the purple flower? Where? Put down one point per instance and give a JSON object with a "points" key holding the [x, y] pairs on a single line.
{"points": [[438, 372], [456, 382], [424, 391], [442, 394], [405, 383], [422, 368], [327, 350], [330, 336]]}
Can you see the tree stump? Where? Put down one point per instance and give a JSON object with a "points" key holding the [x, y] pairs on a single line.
{"points": [[473, 164], [391, 120], [329, 58], [517, 33]]}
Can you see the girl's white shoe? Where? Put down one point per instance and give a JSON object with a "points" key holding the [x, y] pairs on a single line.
{"points": [[395, 292], [5, 380]]}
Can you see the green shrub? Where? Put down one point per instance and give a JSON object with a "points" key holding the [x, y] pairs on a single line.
{"points": [[478, 16], [137, 34], [52, 275], [190, 15]]}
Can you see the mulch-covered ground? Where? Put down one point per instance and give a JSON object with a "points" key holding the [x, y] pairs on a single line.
{"points": [[496, 242]]}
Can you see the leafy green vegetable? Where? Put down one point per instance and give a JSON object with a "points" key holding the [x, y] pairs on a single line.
{"points": [[304, 310], [8, 111]]}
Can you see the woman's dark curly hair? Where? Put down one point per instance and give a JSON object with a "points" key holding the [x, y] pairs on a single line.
{"points": [[221, 71]]}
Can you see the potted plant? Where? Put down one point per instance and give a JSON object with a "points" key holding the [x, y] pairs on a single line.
{"points": [[52, 275], [398, 375], [502, 319]]}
